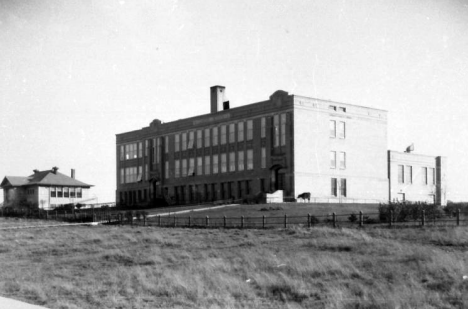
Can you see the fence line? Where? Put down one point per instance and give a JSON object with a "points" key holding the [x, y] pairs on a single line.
{"points": [[141, 218]]}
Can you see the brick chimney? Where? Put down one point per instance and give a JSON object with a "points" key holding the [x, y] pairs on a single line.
{"points": [[72, 173], [217, 98], [55, 169]]}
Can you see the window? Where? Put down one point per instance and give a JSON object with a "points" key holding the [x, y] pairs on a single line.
{"points": [[207, 137], [232, 161], [158, 150], [153, 150], [60, 192], [184, 141], [177, 142], [53, 192], [184, 168], [65, 192], [215, 164], [223, 134], [191, 170], [341, 129], [232, 133], [430, 176], [223, 163], [207, 165], [249, 130], [72, 192], [332, 159], [248, 187], [140, 173], [215, 136], [122, 176], [263, 128], [199, 139], [343, 187], [166, 144], [146, 147], [401, 176], [342, 109], [342, 160], [199, 166], [263, 157], [409, 174], [131, 151], [79, 193], [424, 175], [332, 107], [240, 191], [240, 131], [146, 172], [240, 159], [332, 128], [122, 153], [334, 187], [249, 159], [177, 168], [191, 140], [140, 150], [283, 129], [276, 132]]}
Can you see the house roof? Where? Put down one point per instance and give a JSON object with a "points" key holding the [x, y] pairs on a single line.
{"points": [[43, 178]]}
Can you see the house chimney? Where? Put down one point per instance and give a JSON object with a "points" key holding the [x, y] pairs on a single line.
{"points": [[36, 171], [54, 169], [73, 173], [217, 98]]}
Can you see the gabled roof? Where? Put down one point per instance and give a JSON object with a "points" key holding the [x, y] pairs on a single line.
{"points": [[43, 178]]}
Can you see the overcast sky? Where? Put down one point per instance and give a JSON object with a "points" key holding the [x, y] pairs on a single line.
{"points": [[75, 73]]}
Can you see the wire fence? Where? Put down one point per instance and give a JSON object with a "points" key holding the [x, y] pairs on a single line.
{"points": [[141, 218]]}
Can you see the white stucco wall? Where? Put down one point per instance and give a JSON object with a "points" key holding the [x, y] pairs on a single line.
{"points": [[365, 146]]}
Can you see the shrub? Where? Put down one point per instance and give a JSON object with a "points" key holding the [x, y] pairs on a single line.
{"points": [[353, 218], [406, 211]]}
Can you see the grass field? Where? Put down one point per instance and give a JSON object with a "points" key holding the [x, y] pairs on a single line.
{"points": [[280, 209], [124, 267]]}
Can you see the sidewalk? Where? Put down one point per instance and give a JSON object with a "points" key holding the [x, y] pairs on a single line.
{"points": [[9, 303]]}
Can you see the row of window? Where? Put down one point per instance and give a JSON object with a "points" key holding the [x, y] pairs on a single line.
{"points": [[30, 191], [228, 133], [341, 158], [207, 165], [426, 175], [341, 188], [65, 192], [341, 129]]}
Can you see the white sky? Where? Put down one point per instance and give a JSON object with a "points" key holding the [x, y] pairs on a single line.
{"points": [[75, 73]]}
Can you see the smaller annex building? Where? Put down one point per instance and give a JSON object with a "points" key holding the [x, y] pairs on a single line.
{"points": [[46, 189]]}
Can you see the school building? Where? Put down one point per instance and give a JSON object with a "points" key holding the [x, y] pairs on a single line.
{"points": [[271, 150]]}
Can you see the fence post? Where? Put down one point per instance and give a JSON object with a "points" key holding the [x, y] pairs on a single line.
{"points": [[334, 219], [308, 220], [361, 222], [242, 222], [47, 215], [94, 218], [144, 220], [175, 220], [189, 221], [390, 218], [263, 221], [56, 215], [285, 221], [159, 220], [224, 221], [423, 219], [458, 217], [207, 223]]}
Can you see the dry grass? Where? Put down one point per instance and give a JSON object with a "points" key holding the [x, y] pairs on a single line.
{"points": [[124, 267]]}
